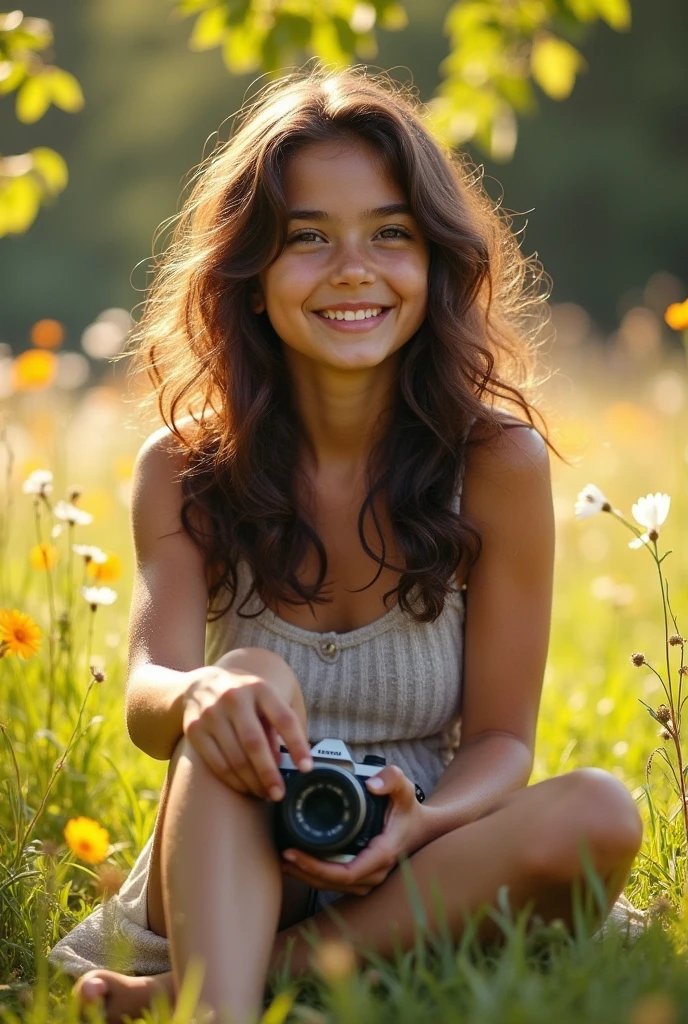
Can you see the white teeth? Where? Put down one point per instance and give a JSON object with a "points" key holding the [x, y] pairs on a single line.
{"points": [[350, 314]]}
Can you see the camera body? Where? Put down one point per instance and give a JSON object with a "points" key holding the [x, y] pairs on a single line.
{"points": [[328, 812]]}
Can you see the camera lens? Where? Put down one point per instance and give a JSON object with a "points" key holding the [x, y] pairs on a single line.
{"points": [[323, 810]]}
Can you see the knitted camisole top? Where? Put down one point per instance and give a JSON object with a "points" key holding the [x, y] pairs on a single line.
{"points": [[392, 687]]}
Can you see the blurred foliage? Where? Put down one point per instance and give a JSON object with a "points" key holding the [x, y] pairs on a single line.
{"points": [[601, 176], [497, 50], [33, 178]]}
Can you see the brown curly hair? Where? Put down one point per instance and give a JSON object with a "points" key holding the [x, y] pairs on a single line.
{"points": [[219, 376]]}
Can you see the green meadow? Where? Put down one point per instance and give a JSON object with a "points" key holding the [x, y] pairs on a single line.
{"points": [[620, 419]]}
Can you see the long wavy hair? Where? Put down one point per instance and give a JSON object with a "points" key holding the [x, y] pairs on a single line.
{"points": [[220, 379]]}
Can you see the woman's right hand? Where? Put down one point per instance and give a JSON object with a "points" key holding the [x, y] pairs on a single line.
{"points": [[232, 716]]}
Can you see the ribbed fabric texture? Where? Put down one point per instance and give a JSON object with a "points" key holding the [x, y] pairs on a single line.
{"points": [[392, 687]]}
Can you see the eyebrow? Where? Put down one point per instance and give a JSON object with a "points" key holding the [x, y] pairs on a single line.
{"points": [[379, 211]]}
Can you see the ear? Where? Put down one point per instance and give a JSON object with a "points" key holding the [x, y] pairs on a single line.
{"points": [[257, 300]]}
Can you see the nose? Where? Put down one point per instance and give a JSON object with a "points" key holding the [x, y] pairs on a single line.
{"points": [[352, 266]]}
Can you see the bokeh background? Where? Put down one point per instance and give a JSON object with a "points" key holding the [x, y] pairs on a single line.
{"points": [[600, 178]]}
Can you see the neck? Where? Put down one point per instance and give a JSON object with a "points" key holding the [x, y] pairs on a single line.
{"points": [[343, 412]]}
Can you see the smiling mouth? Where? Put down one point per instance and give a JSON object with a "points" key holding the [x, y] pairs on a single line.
{"points": [[349, 314]]}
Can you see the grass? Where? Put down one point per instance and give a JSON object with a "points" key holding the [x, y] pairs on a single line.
{"points": [[607, 605]]}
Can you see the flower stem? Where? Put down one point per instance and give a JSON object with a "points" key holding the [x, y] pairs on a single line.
{"points": [[59, 764], [53, 618]]}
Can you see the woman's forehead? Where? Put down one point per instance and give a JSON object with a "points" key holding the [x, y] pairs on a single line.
{"points": [[338, 171]]}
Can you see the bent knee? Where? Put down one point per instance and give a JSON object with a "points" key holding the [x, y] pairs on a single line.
{"points": [[589, 811]]}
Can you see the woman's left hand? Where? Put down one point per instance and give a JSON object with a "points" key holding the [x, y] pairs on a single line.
{"points": [[402, 834]]}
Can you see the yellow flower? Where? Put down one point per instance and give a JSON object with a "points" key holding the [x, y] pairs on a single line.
{"points": [[43, 556], [19, 634], [107, 571], [677, 316], [87, 839], [34, 369]]}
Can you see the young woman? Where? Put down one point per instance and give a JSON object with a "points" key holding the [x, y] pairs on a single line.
{"points": [[332, 336]]}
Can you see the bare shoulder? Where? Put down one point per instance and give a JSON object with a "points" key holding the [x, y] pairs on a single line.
{"points": [[156, 487], [513, 459]]}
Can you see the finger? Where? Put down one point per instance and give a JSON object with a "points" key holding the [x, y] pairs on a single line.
{"points": [[391, 780], [288, 725], [317, 883], [255, 747], [207, 748], [226, 736]]}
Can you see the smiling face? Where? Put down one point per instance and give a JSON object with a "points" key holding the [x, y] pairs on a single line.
{"points": [[350, 286]]}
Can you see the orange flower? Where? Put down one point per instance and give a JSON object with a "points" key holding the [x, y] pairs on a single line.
{"points": [[43, 556], [107, 571], [87, 839], [47, 334], [677, 316], [19, 634], [34, 369]]}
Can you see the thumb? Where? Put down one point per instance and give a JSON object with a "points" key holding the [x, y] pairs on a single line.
{"points": [[391, 781]]}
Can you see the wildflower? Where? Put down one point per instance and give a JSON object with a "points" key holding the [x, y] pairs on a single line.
{"points": [[109, 881], [71, 514], [19, 634], [40, 482], [654, 1008], [683, 671], [663, 713], [34, 369], [335, 959], [665, 734], [676, 316], [89, 553], [650, 512], [56, 531], [43, 556], [98, 674], [675, 639], [87, 839], [47, 334], [591, 500], [74, 494], [98, 595], [106, 570], [638, 660]]}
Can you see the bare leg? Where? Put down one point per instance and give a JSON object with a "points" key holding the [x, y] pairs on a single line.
{"points": [[530, 844]]}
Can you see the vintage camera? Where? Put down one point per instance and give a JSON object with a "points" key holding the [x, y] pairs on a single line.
{"points": [[328, 812]]}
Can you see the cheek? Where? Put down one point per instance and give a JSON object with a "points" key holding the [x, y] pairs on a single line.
{"points": [[290, 282]]}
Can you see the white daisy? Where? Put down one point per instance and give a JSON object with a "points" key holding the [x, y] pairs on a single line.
{"points": [[89, 553], [98, 595], [39, 482], [651, 512], [590, 501], [72, 514]]}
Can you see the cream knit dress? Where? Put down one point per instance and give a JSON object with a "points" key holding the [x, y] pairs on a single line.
{"points": [[392, 687]]}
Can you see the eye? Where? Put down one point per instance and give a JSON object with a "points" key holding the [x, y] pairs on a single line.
{"points": [[304, 236], [399, 233]]}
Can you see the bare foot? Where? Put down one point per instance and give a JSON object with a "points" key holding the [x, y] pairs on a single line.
{"points": [[120, 993]]}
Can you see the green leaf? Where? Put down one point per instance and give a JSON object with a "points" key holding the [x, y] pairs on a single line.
{"points": [[51, 167], [65, 91], [242, 48], [33, 98], [326, 45], [394, 18], [209, 29], [554, 64], [20, 199], [186, 7]]}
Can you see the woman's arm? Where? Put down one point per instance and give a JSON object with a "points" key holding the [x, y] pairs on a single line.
{"points": [[168, 612], [507, 491]]}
